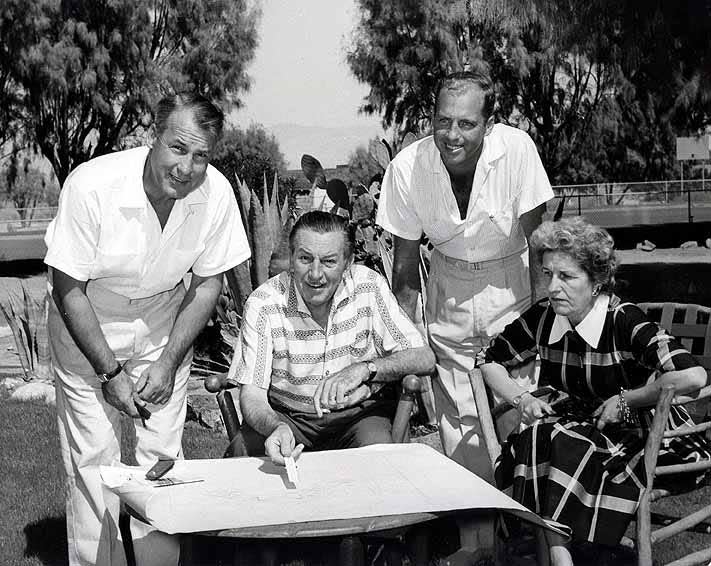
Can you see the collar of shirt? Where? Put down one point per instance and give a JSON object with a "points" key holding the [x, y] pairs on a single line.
{"points": [[589, 329], [493, 150], [295, 302]]}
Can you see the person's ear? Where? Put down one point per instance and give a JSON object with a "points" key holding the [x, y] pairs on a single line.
{"points": [[151, 136], [489, 125]]}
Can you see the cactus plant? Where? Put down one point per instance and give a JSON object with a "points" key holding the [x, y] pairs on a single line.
{"points": [[27, 319]]}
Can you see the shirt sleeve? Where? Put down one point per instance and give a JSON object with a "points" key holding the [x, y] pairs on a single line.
{"points": [[517, 343], [393, 330], [396, 212], [252, 361], [73, 235], [650, 344], [535, 186], [226, 244]]}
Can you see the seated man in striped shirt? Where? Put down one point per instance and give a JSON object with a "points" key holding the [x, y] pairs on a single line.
{"points": [[322, 348]]}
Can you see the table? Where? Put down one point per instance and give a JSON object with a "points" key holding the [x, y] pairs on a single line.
{"points": [[339, 493]]}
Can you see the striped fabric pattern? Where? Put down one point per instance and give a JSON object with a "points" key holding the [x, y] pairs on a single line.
{"points": [[282, 349], [584, 480]]}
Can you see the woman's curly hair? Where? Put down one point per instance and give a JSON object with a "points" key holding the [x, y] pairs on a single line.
{"points": [[592, 247]]}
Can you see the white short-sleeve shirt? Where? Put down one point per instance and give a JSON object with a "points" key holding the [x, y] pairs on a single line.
{"points": [[510, 180], [107, 231]]}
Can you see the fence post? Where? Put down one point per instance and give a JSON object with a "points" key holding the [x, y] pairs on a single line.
{"points": [[580, 213]]}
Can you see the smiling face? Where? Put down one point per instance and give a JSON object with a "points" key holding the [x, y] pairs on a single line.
{"points": [[570, 288], [318, 261], [177, 162], [460, 126]]}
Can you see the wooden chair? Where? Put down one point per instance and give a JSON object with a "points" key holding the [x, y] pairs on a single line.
{"points": [[691, 324]]}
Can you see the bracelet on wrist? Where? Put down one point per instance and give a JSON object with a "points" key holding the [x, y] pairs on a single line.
{"points": [[626, 414]]}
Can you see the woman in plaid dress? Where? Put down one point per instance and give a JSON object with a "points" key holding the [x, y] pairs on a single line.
{"points": [[581, 466]]}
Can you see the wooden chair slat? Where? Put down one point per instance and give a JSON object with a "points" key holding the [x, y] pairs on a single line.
{"points": [[687, 430], [683, 524]]}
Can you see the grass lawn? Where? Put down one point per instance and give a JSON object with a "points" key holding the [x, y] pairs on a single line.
{"points": [[32, 523]]}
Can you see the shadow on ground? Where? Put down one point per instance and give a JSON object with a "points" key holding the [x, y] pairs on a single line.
{"points": [[47, 541]]}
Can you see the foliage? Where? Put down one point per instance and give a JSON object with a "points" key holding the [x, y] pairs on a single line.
{"points": [[578, 76], [27, 319], [80, 76], [252, 155], [26, 186], [361, 168]]}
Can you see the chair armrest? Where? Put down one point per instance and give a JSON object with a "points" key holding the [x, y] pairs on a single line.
{"points": [[217, 382], [698, 395], [411, 385]]}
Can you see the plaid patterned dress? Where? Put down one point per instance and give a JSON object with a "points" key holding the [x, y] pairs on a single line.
{"points": [[583, 480]]}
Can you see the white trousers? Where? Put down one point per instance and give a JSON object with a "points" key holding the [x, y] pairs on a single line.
{"points": [[467, 305], [90, 428]]}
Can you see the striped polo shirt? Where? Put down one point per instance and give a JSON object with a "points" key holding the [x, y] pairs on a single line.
{"points": [[281, 348]]}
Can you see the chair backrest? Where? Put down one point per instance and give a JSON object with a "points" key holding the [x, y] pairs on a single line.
{"points": [[689, 323]]}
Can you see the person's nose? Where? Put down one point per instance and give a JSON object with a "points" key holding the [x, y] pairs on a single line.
{"points": [[453, 132], [185, 165], [553, 285], [315, 271]]}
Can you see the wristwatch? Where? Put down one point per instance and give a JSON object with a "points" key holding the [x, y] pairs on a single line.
{"points": [[106, 377], [372, 371]]}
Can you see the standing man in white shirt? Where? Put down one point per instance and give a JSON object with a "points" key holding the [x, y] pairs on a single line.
{"points": [[477, 190], [130, 226]]}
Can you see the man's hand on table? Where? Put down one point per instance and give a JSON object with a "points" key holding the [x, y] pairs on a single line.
{"points": [[281, 444], [343, 389], [156, 383]]}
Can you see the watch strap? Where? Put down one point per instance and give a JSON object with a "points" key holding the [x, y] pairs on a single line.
{"points": [[106, 377]]}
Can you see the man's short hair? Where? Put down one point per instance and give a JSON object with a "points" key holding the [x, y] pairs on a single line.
{"points": [[207, 115], [480, 77], [324, 223]]}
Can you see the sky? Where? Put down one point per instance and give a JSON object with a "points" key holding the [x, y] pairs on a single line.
{"points": [[299, 73]]}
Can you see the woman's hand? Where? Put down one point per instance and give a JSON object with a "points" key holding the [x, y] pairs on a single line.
{"points": [[608, 412], [532, 408]]}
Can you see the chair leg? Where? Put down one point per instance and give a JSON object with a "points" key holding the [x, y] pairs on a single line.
{"points": [[644, 532]]}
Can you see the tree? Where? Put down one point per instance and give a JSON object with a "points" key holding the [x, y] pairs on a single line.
{"points": [[570, 73], [361, 168], [26, 186], [250, 155], [84, 74]]}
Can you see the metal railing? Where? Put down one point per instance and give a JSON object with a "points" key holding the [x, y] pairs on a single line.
{"points": [[674, 200], [26, 219], [679, 200]]}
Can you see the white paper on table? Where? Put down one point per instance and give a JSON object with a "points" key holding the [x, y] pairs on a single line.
{"points": [[121, 477], [379, 480]]}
